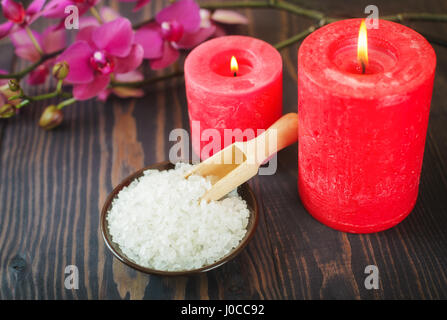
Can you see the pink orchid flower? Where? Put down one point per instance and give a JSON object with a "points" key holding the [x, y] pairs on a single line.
{"points": [[97, 53], [56, 8], [50, 41], [124, 92], [17, 16], [140, 3], [176, 27]]}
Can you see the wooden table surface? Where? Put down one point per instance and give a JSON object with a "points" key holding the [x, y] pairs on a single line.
{"points": [[53, 185]]}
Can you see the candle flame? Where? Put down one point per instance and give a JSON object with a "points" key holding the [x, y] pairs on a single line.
{"points": [[362, 46], [234, 66]]}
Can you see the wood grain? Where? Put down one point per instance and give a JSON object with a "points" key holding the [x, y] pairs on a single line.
{"points": [[53, 185]]}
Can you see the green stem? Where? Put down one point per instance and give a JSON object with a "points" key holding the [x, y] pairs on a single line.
{"points": [[66, 103], [299, 36], [24, 72], [96, 14], [292, 8], [238, 4], [23, 103], [44, 96], [59, 86], [416, 16], [34, 40]]}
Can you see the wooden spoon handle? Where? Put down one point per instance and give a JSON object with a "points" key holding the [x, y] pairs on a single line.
{"points": [[284, 132]]}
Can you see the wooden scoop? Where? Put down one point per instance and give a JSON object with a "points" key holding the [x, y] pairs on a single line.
{"points": [[239, 162]]}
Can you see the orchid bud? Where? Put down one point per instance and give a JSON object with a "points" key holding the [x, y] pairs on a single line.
{"points": [[13, 11], [60, 70], [7, 111], [51, 118], [14, 85]]}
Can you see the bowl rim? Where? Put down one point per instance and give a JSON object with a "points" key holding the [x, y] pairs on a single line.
{"points": [[121, 257]]}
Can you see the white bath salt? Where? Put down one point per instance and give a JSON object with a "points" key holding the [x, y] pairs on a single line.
{"points": [[159, 223]]}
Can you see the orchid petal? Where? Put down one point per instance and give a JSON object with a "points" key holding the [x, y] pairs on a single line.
{"points": [[89, 90], [24, 47], [151, 40], [56, 8], [85, 34], [78, 58], [229, 17], [104, 94], [170, 55], [186, 12], [13, 11], [35, 7], [5, 28], [205, 18], [114, 37], [28, 53], [53, 39], [190, 40], [38, 75], [131, 76], [131, 62]]}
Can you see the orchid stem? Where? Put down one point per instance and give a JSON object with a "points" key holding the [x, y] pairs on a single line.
{"points": [[65, 103], [296, 38], [34, 40], [59, 86], [45, 96], [19, 75], [400, 17], [96, 14]]}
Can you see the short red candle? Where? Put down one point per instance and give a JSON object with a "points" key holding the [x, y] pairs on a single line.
{"points": [[217, 99], [361, 136]]}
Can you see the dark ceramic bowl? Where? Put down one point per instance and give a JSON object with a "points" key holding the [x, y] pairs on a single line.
{"points": [[244, 191]]}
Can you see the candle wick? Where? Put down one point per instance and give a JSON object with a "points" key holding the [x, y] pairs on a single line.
{"points": [[234, 74], [363, 67]]}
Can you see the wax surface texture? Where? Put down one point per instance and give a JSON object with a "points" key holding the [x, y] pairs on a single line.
{"points": [[362, 136], [218, 100]]}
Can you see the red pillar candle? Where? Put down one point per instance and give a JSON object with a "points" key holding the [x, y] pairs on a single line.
{"points": [[221, 98], [361, 136]]}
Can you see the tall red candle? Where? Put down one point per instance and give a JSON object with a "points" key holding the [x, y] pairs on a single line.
{"points": [[220, 98], [361, 136]]}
